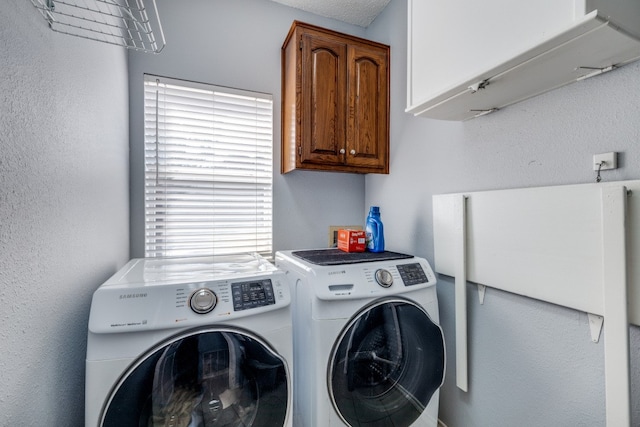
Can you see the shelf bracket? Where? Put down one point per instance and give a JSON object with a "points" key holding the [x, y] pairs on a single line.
{"points": [[595, 324], [480, 113], [482, 289], [594, 71], [47, 11], [480, 85]]}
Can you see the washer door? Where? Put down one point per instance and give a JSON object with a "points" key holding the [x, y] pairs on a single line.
{"points": [[386, 365], [203, 378]]}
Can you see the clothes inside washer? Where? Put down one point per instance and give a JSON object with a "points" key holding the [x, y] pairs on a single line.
{"points": [[203, 379], [217, 394]]}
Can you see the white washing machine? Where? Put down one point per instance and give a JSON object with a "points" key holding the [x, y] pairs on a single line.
{"points": [[368, 349], [191, 342]]}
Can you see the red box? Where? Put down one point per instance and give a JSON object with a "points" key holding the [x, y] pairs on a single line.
{"points": [[351, 240]]}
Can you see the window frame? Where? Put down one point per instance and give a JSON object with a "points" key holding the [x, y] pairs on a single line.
{"points": [[182, 156]]}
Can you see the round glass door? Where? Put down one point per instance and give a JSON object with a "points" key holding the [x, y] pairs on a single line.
{"points": [[386, 365], [203, 378]]}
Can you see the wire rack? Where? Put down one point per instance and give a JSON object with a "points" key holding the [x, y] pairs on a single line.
{"points": [[118, 22]]}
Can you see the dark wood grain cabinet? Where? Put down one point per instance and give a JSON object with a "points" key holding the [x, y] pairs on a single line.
{"points": [[335, 102]]}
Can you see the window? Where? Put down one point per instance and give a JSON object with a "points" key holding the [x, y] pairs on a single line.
{"points": [[208, 169]]}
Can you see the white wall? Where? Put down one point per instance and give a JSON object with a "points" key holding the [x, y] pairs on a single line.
{"points": [[531, 363], [220, 42], [63, 209]]}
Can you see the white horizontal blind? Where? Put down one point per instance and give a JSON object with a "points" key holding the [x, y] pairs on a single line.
{"points": [[208, 169]]}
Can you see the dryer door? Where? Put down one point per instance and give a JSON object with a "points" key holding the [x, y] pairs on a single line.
{"points": [[386, 365], [203, 378]]}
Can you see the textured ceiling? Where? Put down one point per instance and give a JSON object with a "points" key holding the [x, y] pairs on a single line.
{"points": [[357, 12]]}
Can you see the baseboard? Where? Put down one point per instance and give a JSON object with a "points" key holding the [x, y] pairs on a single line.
{"points": [[441, 424]]}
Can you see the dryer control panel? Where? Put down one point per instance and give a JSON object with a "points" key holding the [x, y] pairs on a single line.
{"points": [[363, 279], [412, 274]]}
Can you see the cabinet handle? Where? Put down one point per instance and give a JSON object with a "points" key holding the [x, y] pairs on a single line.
{"points": [[342, 151], [352, 152]]}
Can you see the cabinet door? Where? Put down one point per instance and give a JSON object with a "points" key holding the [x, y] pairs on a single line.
{"points": [[324, 78], [368, 120], [335, 102]]}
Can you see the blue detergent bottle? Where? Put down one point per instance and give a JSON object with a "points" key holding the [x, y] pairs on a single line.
{"points": [[374, 231]]}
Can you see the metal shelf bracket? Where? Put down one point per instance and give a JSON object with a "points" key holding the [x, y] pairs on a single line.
{"points": [[595, 324], [482, 289]]}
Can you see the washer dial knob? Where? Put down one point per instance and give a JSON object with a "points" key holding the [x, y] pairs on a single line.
{"points": [[384, 278], [203, 300]]}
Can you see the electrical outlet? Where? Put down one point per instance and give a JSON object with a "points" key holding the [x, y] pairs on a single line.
{"points": [[608, 160]]}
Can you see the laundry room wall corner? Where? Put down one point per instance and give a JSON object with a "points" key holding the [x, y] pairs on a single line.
{"points": [[63, 208]]}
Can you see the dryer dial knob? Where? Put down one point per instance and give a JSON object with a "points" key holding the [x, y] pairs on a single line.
{"points": [[384, 278], [203, 301]]}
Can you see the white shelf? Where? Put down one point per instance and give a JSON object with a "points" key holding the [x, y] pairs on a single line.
{"points": [[472, 62]]}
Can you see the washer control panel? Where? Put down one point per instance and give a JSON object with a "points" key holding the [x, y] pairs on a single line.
{"points": [[252, 294], [120, 308]]}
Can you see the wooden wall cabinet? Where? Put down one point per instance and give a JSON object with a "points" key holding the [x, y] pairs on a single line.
{"points": [[335, 102]]}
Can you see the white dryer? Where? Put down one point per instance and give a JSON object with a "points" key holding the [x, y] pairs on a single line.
{"points": [[368, 349], [191, 342]]}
